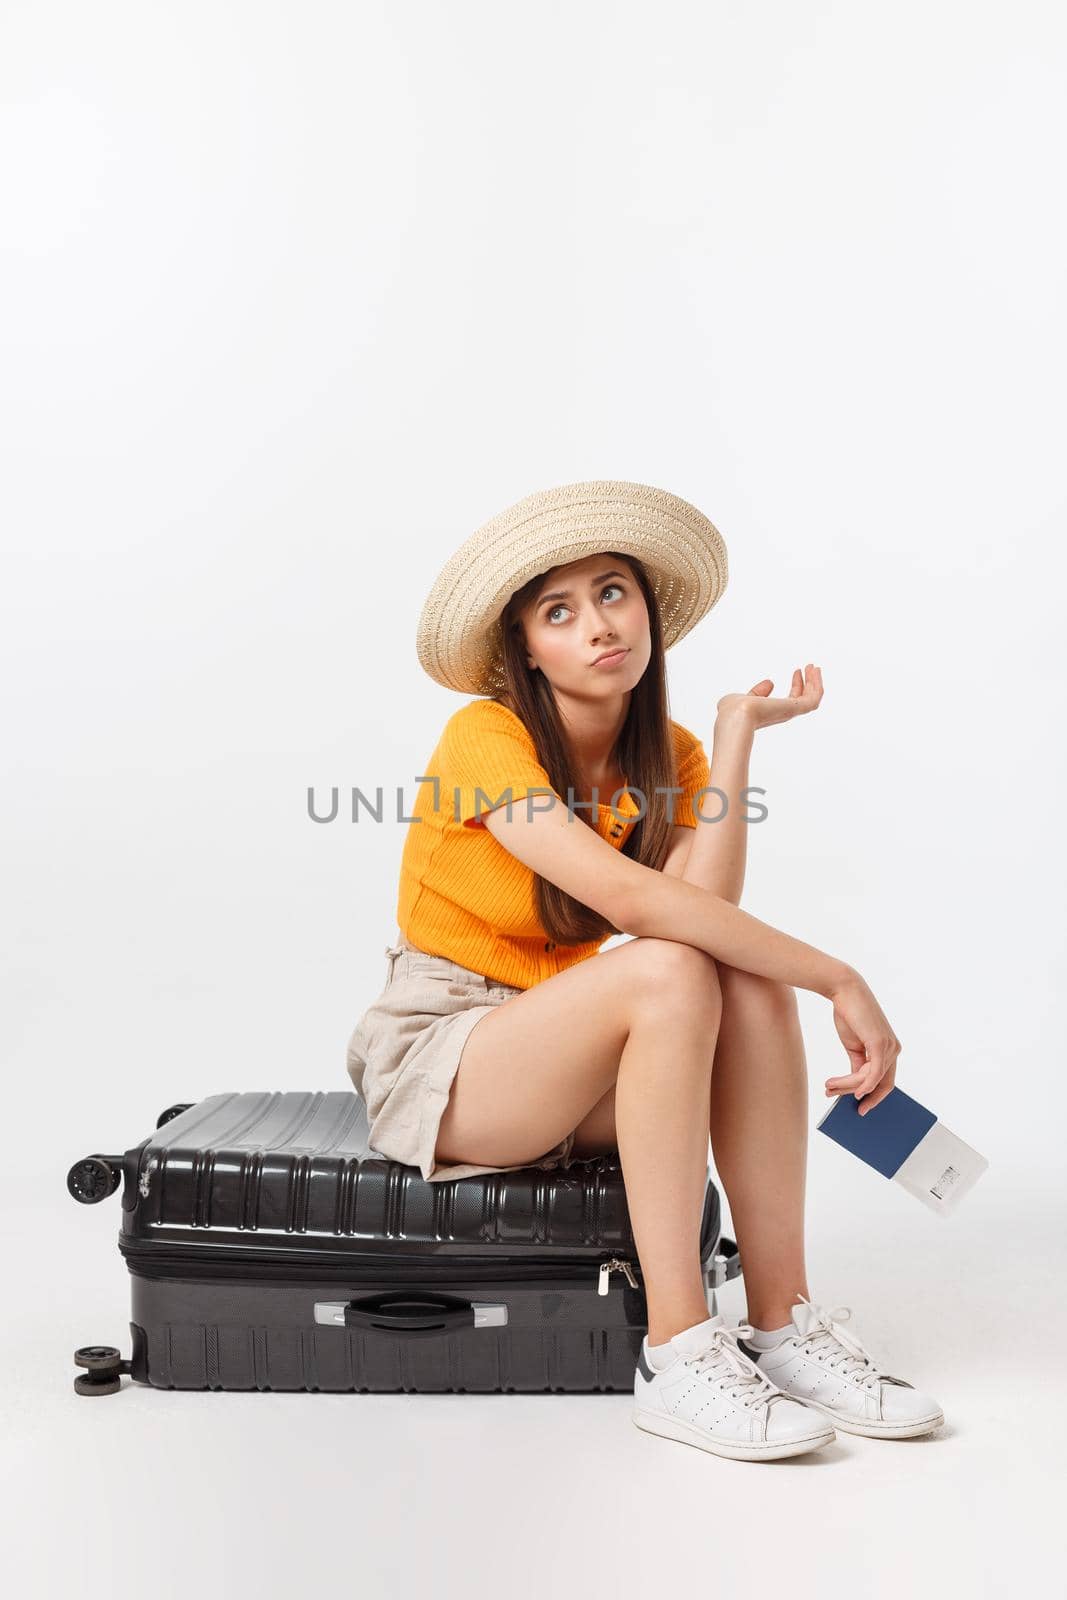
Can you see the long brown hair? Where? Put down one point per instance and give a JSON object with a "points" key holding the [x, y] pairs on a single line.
{"points": [[644, 752]]}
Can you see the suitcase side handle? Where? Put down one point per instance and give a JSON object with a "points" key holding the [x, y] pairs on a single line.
{"points": [[414, 1312]]}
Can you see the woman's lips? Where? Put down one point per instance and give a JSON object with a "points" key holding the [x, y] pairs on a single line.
{"points": [[614, 659]]}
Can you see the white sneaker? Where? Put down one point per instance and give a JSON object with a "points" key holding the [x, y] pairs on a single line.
{"points": [[823, 1366], [713, 1396]]}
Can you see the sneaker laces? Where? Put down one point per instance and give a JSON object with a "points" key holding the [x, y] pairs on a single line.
{"points": [[738, 1377], [842, 1351]]}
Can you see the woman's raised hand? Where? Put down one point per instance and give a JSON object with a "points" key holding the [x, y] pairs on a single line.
{"points": [[760, 708], [872, 1045]]}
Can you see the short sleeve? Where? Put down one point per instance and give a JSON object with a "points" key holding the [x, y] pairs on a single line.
{"points": [[693, 774], [486, 758]]}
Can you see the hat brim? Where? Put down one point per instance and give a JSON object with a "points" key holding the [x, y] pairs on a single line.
{"points": [[459, 639]]}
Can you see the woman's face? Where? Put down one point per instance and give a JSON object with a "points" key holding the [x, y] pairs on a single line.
{"points": [[603, 609]]}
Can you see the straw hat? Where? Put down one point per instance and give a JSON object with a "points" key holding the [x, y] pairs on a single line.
{"points": [[460, 640]]}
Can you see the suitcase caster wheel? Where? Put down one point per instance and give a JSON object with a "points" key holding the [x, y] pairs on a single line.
{"points": [[105, 1368], [93, 1179], [173, 1111], [88, 1384], [96, 1356]]}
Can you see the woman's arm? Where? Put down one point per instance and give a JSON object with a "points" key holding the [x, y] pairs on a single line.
{"points": [[646, 903], [712, 855], [671, 908], [715, 857], [650, 904]]}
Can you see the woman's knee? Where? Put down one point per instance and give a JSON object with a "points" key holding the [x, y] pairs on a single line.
{"points": [[666, 971]]}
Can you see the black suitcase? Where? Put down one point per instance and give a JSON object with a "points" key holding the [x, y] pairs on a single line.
{"points": [[269, 1247]]}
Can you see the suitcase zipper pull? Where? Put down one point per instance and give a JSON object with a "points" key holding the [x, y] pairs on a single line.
{"points": [[614, 1265]]}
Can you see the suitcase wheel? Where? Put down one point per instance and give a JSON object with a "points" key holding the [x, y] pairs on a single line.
{"points": [[95, 1356], [173, 1111], [94, 1178], [89, 1385], [105, 1368]]}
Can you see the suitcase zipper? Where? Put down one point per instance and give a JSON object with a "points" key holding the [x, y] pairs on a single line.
{"points": [[607, 1268], [237, 1266]]}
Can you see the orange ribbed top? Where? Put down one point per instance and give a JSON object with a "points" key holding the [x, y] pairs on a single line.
{"points": [[462, 895]]}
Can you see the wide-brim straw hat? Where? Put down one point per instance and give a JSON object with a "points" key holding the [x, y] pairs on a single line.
{"points": [[460, 639]]}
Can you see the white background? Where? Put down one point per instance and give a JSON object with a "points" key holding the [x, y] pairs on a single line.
{"points": [[295, 297]]}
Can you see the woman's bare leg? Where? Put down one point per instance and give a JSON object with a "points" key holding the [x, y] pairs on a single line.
{"points": [[662, 1107], [759, 1136], [758, 1123], [643, 1017]]}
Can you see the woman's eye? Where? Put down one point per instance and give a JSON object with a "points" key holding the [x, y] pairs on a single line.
{"points": [[561, 607]]}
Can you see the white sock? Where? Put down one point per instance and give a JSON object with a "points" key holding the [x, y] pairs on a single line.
{"points": [[660, 1355], [767, 1338]]}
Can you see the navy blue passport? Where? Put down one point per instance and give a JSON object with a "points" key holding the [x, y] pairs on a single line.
{"points": [[905, 1141]]}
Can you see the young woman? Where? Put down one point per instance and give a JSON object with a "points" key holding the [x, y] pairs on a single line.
{"points": [[560, 808]]}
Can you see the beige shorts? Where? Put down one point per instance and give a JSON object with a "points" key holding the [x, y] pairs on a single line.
{"points": [[405, 1050]]}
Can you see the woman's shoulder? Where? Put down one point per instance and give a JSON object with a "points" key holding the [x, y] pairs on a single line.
{"points": [[484, 743], [685, 741], [488, 715], [484, 717]]}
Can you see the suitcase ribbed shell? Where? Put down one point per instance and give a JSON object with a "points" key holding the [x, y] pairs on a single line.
{"points": [[270, 1247]]}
